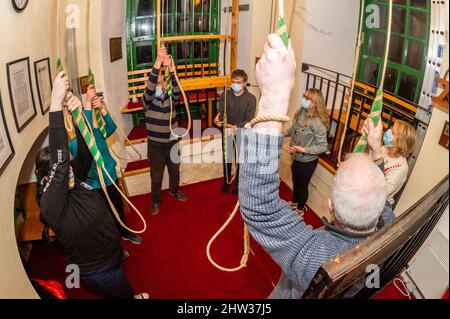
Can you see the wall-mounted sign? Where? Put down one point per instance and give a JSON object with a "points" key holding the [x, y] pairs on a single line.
{"points": [[6, 147], [44, 83], [21, 92], [115, 49]]}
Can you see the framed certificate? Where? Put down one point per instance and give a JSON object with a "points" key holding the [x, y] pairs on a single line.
{"points": [[6, 147], [44, 83], [21, 92]]}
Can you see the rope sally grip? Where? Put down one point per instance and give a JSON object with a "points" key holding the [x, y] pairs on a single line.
{"points": [[169, 90], [88, 137], [377, 106]]}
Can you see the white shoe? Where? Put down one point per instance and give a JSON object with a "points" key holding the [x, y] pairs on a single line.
{"points": [[142, 295]]}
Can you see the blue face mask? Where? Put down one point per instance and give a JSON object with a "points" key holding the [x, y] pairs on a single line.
{"points": [[158, 91], [236, 87], [305, 103], [388, 138]]}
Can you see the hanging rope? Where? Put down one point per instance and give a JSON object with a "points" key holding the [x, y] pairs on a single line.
{"points": [[225, 113], [377, 106], [282, 32], [246, 252], [168, 81], [88, 137], [355, 70]]}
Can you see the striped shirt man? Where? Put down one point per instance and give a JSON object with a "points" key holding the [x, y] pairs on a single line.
{"points": [[158, 110]]}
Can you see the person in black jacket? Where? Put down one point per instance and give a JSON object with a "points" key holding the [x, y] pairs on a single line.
{"points": [[240, 109], [77, 214]]}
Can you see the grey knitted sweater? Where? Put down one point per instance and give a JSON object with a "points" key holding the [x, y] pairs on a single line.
{"points": [[296, 247]]}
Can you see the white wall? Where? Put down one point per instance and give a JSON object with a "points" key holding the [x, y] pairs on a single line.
{"points": [[31, 33], [331, 29], [324, 33]]}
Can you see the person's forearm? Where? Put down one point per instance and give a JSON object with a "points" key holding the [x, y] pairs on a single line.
{"points": [[54, 197], [271, 221], [57, 138], [270, 127]]}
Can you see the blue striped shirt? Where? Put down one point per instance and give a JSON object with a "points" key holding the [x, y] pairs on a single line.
{"points": [[296, 247]]}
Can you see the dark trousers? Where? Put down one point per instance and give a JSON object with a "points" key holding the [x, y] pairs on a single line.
{"points": [[110, 282], [301, 176], [116, 199], [158, 158], [227, 162]]}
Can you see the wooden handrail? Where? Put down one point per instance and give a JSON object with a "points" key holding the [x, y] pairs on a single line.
{"points": [[198, 37]]}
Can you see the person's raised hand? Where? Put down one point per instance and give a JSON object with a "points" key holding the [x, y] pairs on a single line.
{"points": [[374, 136], [97, 102], [160, 56], [167, 62], [73, 102], [275, 73], [91, 93], [60, 87]]}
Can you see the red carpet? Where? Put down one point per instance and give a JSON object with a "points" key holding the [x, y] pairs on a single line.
{"points": [[172, 262]]}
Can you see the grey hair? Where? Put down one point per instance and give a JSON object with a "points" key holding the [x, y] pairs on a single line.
{"points": [[358, 193]]}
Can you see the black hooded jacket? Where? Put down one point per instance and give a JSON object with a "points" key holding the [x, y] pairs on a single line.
{"points": [[79, 217]]}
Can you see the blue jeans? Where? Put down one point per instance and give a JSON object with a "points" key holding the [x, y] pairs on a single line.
{"points": [[110, 282]]}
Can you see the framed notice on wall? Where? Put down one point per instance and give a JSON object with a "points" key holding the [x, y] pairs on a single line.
{"points": [[115, 49], [44, 83], [6, 147], [21, 92]]}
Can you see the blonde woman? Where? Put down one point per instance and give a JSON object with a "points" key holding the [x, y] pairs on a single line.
{"points": [[399, 144], [309, 140]]}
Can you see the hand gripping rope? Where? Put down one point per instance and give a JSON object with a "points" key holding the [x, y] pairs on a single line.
{"points": [[169, 89], [88, 137], [282, 32]]}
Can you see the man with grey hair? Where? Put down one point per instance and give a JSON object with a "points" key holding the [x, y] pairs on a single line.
{"points": [[357, 196]]}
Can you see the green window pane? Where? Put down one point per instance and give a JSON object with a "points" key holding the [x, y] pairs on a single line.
{"points": [[167, 25], [418, 23], [184, 6], [201, 50], [144, 52], [200, 5], [396, 49], [401, 2], [144, 27], [408, 86], [201, 24], [144, 8], [376, 44], [183, 51], [183, 24], [399, 20], [383, 17], [371, 70], [391, 80], [419, 3], [414, 58]]}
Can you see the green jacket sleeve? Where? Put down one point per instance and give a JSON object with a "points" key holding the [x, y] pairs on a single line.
{"points": [[320, 135]]}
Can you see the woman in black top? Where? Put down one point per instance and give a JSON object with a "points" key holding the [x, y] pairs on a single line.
{"points": [[78, 215]]}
